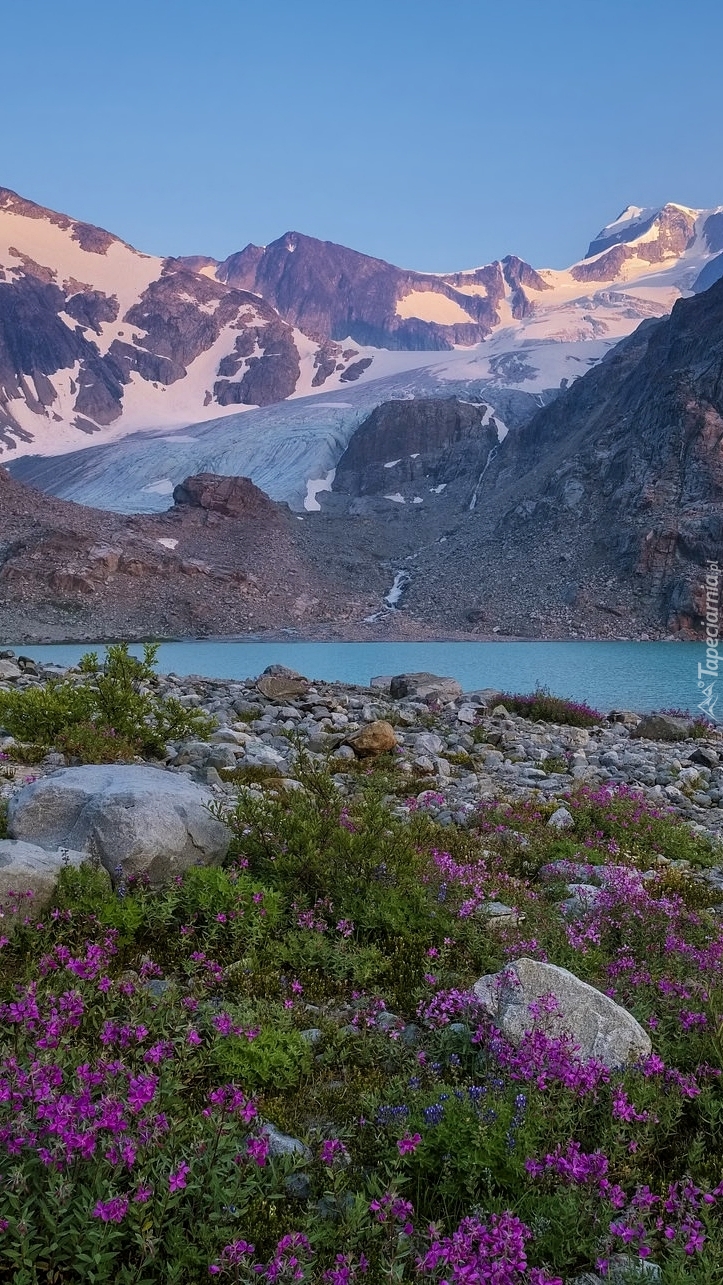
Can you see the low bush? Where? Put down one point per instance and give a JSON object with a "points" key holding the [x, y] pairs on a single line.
{"points": [[541, 704], [111, 713]]}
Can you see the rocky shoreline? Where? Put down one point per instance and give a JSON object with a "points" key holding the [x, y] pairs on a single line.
{"points": [[456, 749]]}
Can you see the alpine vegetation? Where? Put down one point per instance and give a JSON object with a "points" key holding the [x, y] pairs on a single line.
{"points": [[376, 1029]]}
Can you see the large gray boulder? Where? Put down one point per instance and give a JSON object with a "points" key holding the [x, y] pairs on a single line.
{"points": [[599, 1027], [28, 878], [424, 686], [135, 819], [661, 727]]}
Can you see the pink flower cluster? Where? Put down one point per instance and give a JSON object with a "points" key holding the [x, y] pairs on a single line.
{"points": [[478, 1251]]}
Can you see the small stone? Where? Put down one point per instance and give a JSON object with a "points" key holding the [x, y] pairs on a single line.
{"points": [[298, 1186], [157, 987], [427, 743], [282, 1144], [411, 1034], [424, 765], [499, 915], [388, 1021], [561, 819], [624, 1269], [378, 737], [467, 714], [705, 755], [221, 756], [701, 800]]}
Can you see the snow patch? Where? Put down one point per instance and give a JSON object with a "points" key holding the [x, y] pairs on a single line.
{"points": [[397, 498], [427, 305], [392, 463], [167, 542], [313, 487]]}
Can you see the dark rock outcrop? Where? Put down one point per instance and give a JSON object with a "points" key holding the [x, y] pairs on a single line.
{"points": [[417, 446], [233, 497], [620, 478], [224, 560]]}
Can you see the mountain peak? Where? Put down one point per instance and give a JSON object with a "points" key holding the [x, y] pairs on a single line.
{"points": [[635, 221]]}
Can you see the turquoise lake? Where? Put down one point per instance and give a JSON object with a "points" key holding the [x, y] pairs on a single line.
{"points": [[608, 675]]}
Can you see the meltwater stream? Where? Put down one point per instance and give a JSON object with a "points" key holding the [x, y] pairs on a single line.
{"points": [[609, 675]]}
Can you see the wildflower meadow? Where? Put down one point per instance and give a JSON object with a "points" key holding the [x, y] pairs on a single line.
{"points": [[278, 1070]]}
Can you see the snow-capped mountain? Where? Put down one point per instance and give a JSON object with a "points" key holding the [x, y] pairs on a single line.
{"points": [[264, 364], [99, 339]]}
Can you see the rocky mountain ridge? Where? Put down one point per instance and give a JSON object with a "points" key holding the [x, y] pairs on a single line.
{"points": [[98, 341]]}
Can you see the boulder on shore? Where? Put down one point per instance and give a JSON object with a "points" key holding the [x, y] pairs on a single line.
{"points": [[424, 686], [135, 819], [661, 727], [376, 738], [278, 683], [599, 1027]]}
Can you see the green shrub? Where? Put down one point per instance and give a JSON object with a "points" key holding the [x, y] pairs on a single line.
{"points": [[274, 1059], [112, 713], [315, 847]]}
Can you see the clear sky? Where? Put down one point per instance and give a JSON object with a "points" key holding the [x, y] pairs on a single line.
{"points": [[437, 134]]}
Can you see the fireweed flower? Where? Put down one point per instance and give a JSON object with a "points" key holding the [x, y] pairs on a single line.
{"points": [[333, 1152], [111, 1211], [257, 1149], [408, 1144], [177, 1179], [141, 1091]]}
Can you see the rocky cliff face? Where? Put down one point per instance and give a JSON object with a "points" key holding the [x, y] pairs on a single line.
{"points": [[427, 451], [331, 292], [95, 336], [610, 499]]}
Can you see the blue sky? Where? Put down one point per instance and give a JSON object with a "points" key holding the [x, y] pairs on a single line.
{"points": [[437, 134]]}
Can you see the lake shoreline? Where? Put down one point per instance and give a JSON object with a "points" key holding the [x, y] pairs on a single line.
{"points": [[607, 674], [337, 635]]}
